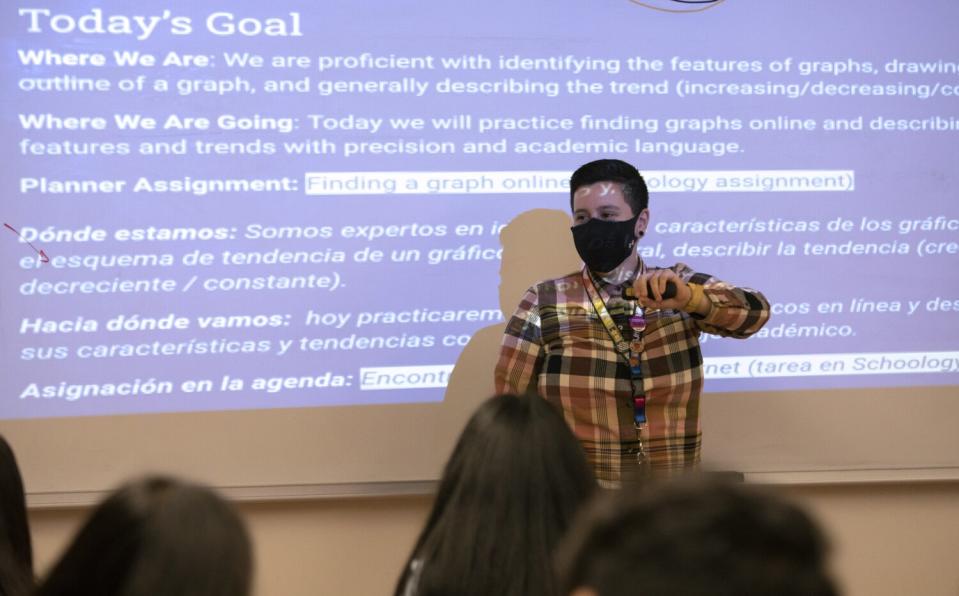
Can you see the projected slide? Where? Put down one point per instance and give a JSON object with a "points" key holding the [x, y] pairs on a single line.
{"points": [[246, 205]]}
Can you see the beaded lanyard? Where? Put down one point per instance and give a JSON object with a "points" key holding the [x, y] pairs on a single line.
{"points": [[630, 350]]}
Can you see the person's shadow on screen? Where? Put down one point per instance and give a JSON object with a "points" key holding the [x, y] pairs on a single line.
{"points": [[537, 245]]}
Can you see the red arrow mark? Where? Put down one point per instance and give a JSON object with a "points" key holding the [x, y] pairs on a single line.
{"points": [[43, 256]]}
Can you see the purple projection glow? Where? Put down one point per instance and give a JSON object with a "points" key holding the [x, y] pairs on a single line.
{"points": [[294, 204]]}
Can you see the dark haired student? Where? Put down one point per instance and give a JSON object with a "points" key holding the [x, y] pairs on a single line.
{"points": [[157, 536], [704, 538], [515, 480], [616, 345], [16, 551]]}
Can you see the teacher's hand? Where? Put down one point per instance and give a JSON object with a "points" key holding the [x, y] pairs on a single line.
{"points": [[652, 297]]}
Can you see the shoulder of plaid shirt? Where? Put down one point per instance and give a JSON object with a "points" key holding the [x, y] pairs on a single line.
{"points": [[734, 312]]}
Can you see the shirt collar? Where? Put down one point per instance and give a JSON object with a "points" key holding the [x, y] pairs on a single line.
{"points": [[611, 287]]}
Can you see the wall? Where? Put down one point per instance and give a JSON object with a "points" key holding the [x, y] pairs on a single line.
{"points": [[891, 539]]}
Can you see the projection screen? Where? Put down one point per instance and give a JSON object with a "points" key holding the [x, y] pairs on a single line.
{"points": [[274, 244]]}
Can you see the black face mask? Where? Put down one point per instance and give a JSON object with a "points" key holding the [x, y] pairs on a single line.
{"points": [[603, 245]]}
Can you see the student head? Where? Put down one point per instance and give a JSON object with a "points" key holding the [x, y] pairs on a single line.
{"points": [[695, 539], [609, 201], [511, 487], [157, 536], [16, 552]]}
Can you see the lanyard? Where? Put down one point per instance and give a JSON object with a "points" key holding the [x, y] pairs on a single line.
{"points": [[629, 350], [622, 346]]}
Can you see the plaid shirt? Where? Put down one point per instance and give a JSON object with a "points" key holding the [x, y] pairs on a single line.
{"points": [[555, 345]]}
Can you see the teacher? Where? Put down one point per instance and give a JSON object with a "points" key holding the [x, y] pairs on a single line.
{"points": [[615, 346]]}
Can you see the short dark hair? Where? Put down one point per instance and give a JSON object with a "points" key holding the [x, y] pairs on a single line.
{"points": [[16, 550], [704, 538], [513, 484], [157, 536], [612, 170]]}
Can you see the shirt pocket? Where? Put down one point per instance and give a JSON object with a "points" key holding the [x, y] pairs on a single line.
{"points": [[671, 342], [570, 328], [668, 327]]}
